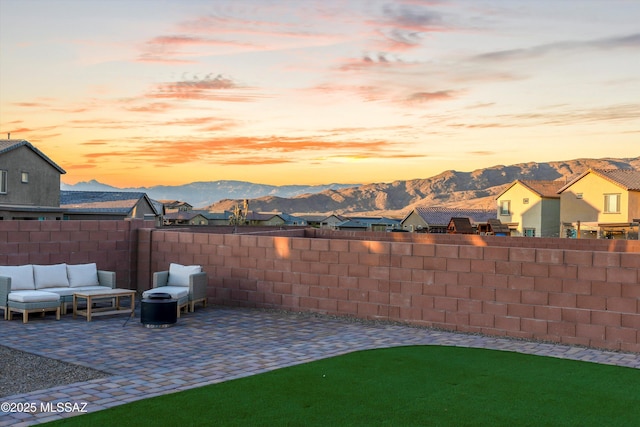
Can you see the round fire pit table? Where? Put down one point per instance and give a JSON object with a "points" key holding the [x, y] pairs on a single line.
{"points": [[159, 311]]}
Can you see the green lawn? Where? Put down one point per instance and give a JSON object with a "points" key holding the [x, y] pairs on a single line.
{"points": [[402, 386]]}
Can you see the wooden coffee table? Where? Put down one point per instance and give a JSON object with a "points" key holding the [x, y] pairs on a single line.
{"points": [[92, 296]]}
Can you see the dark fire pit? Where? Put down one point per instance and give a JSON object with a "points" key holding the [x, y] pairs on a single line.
{"points": [[159, 311]]}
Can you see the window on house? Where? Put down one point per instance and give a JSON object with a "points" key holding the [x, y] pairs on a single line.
{"points": [[529, 232], [579, 196], [3, 182], [612, 203], [24, 177], [525, 201], [504, 207]]}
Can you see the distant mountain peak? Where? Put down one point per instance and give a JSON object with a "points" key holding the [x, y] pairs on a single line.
{"points": [[452, 189]]}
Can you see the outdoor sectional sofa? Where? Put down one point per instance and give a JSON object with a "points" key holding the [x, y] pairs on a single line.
{"points": [[33, 288]]}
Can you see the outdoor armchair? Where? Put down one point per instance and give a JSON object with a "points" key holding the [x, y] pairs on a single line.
{"points": [[186, 283]]}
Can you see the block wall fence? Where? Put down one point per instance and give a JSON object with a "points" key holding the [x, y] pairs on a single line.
{"points": [[583, 292], [559, 290], [112, 245]]}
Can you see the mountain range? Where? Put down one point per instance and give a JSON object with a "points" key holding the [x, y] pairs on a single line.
{"points": [[200, 194], [454, 189]]}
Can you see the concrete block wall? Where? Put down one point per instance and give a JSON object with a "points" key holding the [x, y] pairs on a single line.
{"points": [[584, 297], [110, 244], [585, 293]]}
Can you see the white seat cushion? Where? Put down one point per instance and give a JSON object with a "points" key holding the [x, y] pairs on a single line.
{"points": [[63, 292], [82, 275], [176, 292], [21, 276], [179, 274], [33, 296], [50, 276]]}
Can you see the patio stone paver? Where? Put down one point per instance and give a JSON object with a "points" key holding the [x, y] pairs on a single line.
{"points": [[217, 344]]}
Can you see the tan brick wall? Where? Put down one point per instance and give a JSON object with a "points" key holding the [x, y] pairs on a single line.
{"points": [[112, 245], [584, 293]]}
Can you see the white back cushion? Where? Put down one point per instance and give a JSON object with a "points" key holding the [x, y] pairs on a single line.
{"points": [[179, 274], [82, 275], [50, 276], [21, 276]]}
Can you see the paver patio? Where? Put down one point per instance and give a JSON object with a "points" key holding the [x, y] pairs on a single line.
{"points": [[217, 344]]}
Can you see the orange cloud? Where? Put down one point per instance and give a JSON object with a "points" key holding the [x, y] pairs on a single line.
{"points": [[244, 150]]}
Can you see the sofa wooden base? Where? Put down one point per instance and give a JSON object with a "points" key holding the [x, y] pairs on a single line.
{"points": [[26, 311]]}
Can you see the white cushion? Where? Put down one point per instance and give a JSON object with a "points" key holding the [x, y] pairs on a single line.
{"points": [[50, 276], [82, 275], [67, 291], [176, 292], [179, 274], [32, 296], [21, 276]]}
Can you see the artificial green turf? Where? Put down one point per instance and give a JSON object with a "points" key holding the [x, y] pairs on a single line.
{"points": [[402, 386]]}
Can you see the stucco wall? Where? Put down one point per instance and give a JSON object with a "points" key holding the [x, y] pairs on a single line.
{"points": [[590, 207], [43, 188], [542, 214]]}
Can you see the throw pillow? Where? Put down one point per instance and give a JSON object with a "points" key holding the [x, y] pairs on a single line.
{"points": [[82, 275], [179, 274], [50, 276], [21, 276]]}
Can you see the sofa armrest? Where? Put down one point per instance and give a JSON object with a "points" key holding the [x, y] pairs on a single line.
{"points": [[160, 278], [5, 288], [198, 286], [107, 278]]}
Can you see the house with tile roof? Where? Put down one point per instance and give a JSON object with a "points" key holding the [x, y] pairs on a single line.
{"points": [[171, 206], [601, 203], [191, 217], [273, 219], [116, 205], [29, 182], [531, 208], [436, 219], [369, 224]]}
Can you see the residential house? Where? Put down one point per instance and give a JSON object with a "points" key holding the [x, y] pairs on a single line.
{"points": [[332, 221], [190, 217], [116, 205], [29, 182], [369, 224], [218, 218], [171, 206], [273, 219], [601, 203], [436, 219], [313, 220], [531, 208]]}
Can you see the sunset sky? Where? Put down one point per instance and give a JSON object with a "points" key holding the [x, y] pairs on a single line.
{"points": [[167, 92]]}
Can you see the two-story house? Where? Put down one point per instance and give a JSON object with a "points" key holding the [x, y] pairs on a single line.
{"points": [[29, 182], [601, 203], [531, 208]]}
